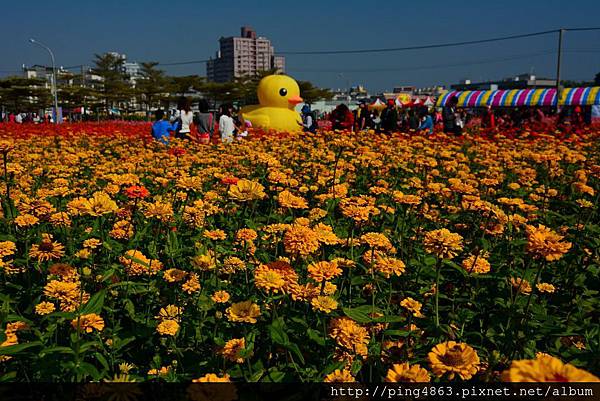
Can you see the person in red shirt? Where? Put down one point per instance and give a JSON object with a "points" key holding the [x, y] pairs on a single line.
{"points": [[342, 118], [489, 118]]}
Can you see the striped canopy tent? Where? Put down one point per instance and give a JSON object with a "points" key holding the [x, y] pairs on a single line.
{"points": [[524, 97], [377, 105], [428, 101]]}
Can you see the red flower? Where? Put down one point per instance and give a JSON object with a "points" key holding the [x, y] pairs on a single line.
{"points": [[177, 151], [136, 192], [229, 180]]}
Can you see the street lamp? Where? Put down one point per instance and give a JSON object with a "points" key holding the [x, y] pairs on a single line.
{"points": [[54, 90]]}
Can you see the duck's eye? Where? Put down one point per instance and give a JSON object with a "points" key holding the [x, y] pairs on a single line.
{"points": [[283, 91]]}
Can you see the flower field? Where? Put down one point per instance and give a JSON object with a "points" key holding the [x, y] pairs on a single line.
{"points": [[327, 257]]}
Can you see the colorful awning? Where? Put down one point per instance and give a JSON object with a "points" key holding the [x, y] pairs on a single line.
{"points": [[524, 97]]}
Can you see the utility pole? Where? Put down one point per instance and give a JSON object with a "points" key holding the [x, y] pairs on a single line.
{"points": [[54, 83], [558, 62], [84, 110]]}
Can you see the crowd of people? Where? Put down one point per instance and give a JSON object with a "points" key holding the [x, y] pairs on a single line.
{"points": [[452, 119], [226, 124], [201, 126], [31, 117], [388, 120]]}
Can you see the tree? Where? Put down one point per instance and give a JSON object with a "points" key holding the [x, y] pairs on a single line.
{"points": [[20, 94], [219, 92], [153, 88], [75, 96], [181, 85], [311, 93], [115, 88], [569, 83]]}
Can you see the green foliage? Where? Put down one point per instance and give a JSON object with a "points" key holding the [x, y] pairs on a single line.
{"points": [[464, 187]]}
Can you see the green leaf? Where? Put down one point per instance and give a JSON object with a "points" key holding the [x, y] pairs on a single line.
{"points": [[172, 242], [331, 367], [8, 377], [278, 335], [430, 260], [399, 333], [388, 319], [315, 336], [361, 313], [57, 349], [89, 369], [294, 348], [15, 349], [102, 360], [273, 376], [455, 267], [256, 376], [129, 308], [95, 304]]}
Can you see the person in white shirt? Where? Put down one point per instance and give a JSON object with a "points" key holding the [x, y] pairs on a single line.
{"points": [[186, 116], [226, 124]]}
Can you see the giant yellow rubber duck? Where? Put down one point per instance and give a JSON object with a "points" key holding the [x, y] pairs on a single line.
{"points": [[278, 95]]}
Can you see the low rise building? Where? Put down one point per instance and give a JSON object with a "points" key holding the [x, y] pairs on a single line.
{"points": [[522, 81]]}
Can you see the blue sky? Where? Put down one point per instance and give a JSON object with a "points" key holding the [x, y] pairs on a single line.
{"points": [[180, 30]]}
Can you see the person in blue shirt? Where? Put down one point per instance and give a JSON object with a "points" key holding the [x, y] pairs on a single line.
{"points": [[161, 128], [426, 121]]}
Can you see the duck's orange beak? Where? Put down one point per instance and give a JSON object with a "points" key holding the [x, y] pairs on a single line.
{"points": [[295, 100]]}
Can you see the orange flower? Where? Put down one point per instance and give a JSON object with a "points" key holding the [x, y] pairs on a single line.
{"points": [[323, 271], [88, 323], [455, 359], [545, 243], [443, 243], [136, 192]]}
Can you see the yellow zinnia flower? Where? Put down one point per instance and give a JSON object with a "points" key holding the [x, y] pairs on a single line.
{"points": [[300, 240], [232, 349], [443, 243], [246, 190], [407, 373], [324, 303], [546, 368], [455, 359], [412, 306], [88, 323], [545, 243], [167, 327], [323, 271], [340, 376], [246, 311]]}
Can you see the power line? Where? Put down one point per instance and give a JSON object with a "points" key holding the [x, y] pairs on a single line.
{"points": [[407, 48], [430, 46], [436, 46], [583, 29], [429, 66], [184, 63]]}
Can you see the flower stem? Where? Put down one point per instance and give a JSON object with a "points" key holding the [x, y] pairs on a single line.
{"points": [[438, 268]]}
